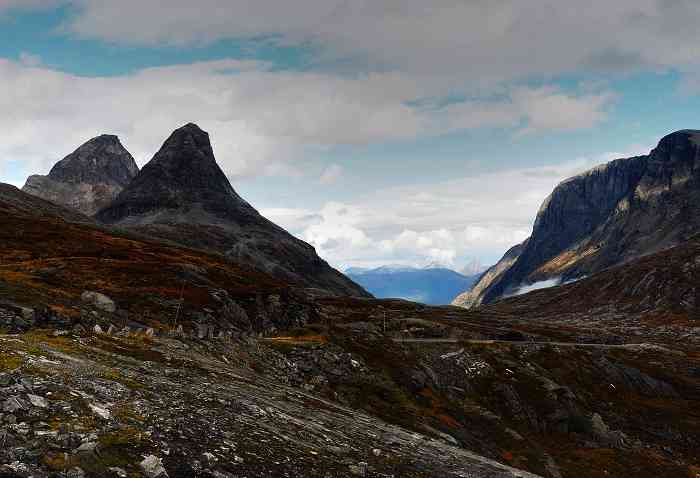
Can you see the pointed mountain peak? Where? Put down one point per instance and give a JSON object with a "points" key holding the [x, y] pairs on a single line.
{"points": [[184, 196], [183, 175], [102, 159], [187, 143], [187, 164], [89, 178]]}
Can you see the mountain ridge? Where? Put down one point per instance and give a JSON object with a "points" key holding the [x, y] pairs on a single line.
{"points": [[614, 212]]}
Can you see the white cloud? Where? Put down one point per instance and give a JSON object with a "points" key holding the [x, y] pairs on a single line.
{"points": [[545, 284], [331, 174], [547, 109], [449, 222]]}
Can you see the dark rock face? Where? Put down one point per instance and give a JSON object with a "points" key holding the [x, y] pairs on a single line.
{"points": [[183, 195], [89, 178], [182, 176], [609, 215]]}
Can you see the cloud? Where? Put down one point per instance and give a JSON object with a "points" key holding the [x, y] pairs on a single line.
{"points": [[331, 174], [531, 110], [548, 109], [262, 121], [477, 41], [448, 222], [545, 284]]}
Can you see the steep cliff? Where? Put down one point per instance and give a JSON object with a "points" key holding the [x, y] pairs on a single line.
{"points": [[608, 215]]}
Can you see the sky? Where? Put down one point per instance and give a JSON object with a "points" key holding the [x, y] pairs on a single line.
{"points": [[380, 131]]}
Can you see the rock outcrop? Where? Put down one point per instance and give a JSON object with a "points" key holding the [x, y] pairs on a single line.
{"points": [[89, 178], [183, 195], [606, 216]]}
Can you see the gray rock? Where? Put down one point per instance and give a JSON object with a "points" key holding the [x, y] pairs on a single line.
{"points": [[13, 404], [38, 401], [99, 301], [75, 472], [152, 467]]}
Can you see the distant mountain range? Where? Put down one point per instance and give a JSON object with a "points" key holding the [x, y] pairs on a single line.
{"points": [[607, 216], [430, 285]]}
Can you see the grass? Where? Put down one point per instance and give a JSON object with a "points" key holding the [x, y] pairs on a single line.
{"points": [[9, 362]]}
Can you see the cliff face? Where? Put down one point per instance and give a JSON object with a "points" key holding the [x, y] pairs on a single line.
{"points": [[183, 195], [89, 178], [608, 215]]}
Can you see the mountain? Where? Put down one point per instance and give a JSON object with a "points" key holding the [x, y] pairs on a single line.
{"points": [[183, 195], [89, 178], [433, 285], [607, 216]]}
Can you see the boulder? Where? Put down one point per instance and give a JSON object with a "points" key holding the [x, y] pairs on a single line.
{"points": [[99, 301]]}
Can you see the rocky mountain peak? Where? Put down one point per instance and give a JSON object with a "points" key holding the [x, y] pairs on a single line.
{"points": [[182, 176], [183, 195], [102, 159], [186, 161], [678, 142], [89, 178]]}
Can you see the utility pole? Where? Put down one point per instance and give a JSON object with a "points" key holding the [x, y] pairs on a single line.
{"points": [[179, 303]]}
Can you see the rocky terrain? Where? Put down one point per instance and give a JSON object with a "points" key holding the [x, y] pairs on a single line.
{"points": [[183, 195], [124, 356], [89, 178], [604, 217]]}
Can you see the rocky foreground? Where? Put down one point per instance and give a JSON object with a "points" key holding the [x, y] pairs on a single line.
{"points": [[129, 405]]}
